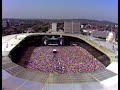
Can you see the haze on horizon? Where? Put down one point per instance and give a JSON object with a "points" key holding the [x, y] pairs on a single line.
{"points": [[61, 9]]}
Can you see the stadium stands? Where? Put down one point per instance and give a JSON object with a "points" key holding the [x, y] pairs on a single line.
{"points": [[71, 59], [76, 65]]}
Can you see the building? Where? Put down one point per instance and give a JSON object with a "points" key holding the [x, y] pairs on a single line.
{"points": [[4, 24], [30, 30], [54, 27], [72, 27], [76, 27], [82, 26], [68, 27], [100, 34]]}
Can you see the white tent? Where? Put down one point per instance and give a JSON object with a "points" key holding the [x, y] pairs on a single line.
{"points": [[110, 37]]}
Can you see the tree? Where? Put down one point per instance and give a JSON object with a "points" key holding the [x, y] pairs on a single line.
{"points": [[44, 29]]}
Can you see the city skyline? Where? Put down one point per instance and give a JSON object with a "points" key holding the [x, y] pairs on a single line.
{"points": [[61, 9]]}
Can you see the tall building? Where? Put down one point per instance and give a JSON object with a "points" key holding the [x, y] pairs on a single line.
{"points": [[72, 27], [4, 24], [76, 27], [68, 27], [54, 27]]}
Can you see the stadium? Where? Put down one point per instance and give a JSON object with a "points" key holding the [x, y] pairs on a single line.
{"points": [[51, 61]]}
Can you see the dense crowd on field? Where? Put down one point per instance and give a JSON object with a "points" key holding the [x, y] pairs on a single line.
{"points": [[68, 59]]}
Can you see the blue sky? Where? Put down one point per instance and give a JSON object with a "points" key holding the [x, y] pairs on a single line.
{"points": [[84, 9]]}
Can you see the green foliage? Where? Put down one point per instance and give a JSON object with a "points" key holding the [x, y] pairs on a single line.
{"points": [[44, 29]]}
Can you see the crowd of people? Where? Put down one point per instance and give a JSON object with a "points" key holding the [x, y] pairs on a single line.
{"points": [[70, 59]]}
